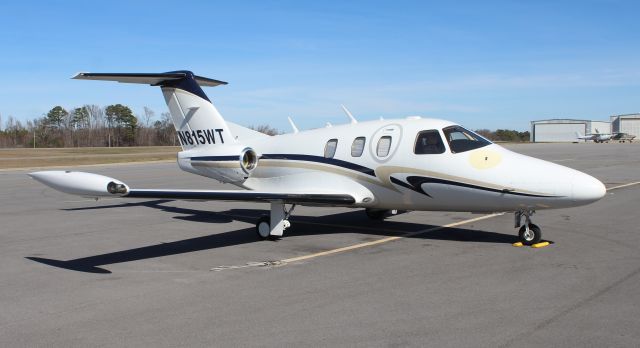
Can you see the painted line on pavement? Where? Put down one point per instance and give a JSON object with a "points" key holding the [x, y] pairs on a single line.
{"points": [[386, 240], [623, 185], [352, 247]]}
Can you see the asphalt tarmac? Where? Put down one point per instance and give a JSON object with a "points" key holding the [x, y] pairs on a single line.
{"points": [[114, 272]]}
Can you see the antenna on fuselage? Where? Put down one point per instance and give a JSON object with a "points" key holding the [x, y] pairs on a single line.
{"points": [[293, 125], [346, 111]]}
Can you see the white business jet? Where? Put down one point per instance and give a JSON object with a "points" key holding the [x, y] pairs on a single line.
{"points": [[381, 166]]}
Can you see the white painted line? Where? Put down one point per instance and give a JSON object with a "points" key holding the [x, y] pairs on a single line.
{"points": [[248, 265], [624, 185]]}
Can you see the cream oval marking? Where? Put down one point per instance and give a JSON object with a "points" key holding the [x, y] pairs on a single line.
{"points": [[484, 159]]}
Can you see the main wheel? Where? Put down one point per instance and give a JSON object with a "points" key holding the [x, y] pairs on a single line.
{"points": [[375, 214], [263, 227], [533, 236]]}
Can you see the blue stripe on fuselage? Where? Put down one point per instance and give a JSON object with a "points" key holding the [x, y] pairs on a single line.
{"points": [[295, 157]]}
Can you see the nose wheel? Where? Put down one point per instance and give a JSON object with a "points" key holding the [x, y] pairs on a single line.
{"points": [[529, 232]]}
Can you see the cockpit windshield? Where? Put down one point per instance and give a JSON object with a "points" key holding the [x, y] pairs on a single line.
{"points": [[461, 140]]}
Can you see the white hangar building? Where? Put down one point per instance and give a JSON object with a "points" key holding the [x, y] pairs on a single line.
{"points": [[564, 130], [629, 123]]}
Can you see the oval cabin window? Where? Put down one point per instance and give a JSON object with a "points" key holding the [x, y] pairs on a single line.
{"points": [[384, 144]]}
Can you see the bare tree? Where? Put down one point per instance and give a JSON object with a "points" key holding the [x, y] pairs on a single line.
{"points": [[266, 129], [148, 115]]}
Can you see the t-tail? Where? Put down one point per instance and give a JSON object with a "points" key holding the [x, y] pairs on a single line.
{"points": [[197, 121], [209, 148]]}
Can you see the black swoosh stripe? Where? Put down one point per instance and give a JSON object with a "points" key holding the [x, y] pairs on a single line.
{"points": [[417, 182], [405, 185]]}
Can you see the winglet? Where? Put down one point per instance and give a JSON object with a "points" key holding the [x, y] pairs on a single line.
{"points": [[346, 111], [293, 125]]}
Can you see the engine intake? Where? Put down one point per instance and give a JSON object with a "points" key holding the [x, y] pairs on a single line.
{"points": [[229, 164], [248, 160]]}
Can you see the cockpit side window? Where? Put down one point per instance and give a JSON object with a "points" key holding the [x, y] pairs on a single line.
{"points": [[428, 142], [461, 140]]}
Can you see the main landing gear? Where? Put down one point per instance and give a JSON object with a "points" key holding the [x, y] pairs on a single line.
{"points": [[380, 214], [273, 225], [529, 233]]}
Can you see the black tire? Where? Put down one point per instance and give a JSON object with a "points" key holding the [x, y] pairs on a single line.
{"points": [[534, 236], [263, 219], [375, 214]]}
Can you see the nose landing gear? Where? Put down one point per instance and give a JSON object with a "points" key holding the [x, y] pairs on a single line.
{"points": [[529, 233]]}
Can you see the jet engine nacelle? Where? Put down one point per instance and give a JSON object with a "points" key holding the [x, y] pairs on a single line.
{"points": [[229, 164]]}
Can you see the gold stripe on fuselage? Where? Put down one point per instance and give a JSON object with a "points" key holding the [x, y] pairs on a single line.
{"points": [[382, 179]]}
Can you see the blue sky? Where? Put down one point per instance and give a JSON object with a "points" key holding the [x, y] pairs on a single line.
{"points": [[484, 64]]}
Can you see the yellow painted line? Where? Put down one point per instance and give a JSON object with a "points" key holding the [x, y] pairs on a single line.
{"points": [[297, 222], [624, 185], [385, 240]]}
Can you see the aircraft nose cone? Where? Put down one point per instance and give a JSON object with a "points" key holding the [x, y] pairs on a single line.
{"points": [[587, 189]]}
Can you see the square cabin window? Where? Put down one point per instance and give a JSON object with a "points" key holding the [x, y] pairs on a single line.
{"points": [[330, 148], [429, 142], [357, 147], [384, 144]]}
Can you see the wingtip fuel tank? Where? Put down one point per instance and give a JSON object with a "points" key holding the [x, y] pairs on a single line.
{"points": [[81, 183]]}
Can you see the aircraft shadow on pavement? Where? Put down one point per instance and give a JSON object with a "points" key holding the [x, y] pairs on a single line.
{"points": [[348, 222]]}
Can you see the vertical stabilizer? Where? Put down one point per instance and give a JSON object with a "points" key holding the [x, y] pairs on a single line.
{"points": [[197, 121]]}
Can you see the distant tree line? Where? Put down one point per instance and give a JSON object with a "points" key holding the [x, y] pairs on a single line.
{"points": [[505, 135], [89, 125], [116, 125]]}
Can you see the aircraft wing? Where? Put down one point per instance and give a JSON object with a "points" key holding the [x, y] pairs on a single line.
{"points": [[95, 185], [245, 196]]}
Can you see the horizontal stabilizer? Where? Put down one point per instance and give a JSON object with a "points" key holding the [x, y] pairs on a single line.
{"points": [[153, 79]]}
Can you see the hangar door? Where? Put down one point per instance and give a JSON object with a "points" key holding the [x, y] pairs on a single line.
{"points": [[630, 126], [562, 132], [600, 127]]}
